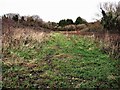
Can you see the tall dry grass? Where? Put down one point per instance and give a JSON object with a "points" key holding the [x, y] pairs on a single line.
{"points": [[109, 43], [17, 37]]}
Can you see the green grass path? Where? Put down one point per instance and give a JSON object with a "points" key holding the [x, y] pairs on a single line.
{"points": [[60, 61]]}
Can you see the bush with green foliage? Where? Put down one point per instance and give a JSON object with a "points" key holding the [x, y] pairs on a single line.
{"points": [[111, 20], [111, 23], [65, 22], [80, 20], [62, 23], [69, 21]]}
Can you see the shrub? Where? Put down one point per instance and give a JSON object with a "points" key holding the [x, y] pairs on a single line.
{"points": [[69, 21], [110, 19], [81, 26], [65, 22], [15, 18], [62, 23], [79, 20], [30, 21], [22, 18], [70, 27]]}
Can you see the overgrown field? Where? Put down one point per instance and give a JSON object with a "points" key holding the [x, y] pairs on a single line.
{"points": [[59, 61]]}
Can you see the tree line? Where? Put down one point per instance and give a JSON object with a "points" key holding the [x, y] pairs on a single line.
{"points": [[65, 22], [110, 19]]}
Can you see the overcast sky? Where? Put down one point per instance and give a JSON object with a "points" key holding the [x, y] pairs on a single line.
{"points": [[53, 10]]}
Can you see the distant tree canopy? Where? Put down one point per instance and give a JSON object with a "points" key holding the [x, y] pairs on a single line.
{"points": [[15, 18], [30, 19], [4, 17], [65, 22], [111, 17], [79, 20], [22, 18], [62, 23], [69, 21], [36, 21]]}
